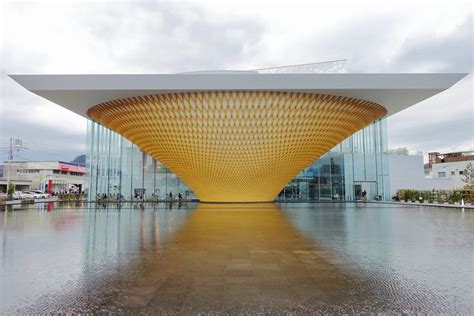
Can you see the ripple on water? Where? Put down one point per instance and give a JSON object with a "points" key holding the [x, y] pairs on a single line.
{"points": [[263, 258]]}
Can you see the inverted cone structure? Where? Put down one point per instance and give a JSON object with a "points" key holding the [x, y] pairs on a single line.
{"points": [[236, 146]]}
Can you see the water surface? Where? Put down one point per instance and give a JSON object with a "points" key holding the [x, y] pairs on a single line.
{"points": [[236, 258]]}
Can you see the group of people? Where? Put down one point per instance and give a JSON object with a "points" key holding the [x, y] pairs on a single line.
{"points": [[137, 196], [111, 197], [180, 197]]}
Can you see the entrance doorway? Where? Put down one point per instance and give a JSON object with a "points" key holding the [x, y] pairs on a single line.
{"points": [[368, 186]]}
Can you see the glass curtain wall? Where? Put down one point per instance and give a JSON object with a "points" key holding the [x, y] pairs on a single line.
{"points": [[358, 164], [118, 168]]}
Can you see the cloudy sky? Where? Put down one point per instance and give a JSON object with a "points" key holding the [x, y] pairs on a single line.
{"points": [[167, 37]]}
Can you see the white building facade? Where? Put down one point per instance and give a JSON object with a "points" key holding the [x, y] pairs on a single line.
{"points": [[407, 172], [452, 171], [49, 176]]}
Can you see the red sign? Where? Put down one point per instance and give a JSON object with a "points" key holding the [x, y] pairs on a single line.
{"points": [[71, 168]]}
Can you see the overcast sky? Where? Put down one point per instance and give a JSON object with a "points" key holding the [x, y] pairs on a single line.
{"points": [[46, 37]]}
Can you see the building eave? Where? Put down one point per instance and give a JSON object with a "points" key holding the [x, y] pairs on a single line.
{"points": [[395, 92]]}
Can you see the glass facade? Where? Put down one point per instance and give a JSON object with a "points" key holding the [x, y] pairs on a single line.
{"points": [[118, 168], [357, 164]]}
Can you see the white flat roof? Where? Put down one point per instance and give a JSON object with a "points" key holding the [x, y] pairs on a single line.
{"points": [[393, 91]]}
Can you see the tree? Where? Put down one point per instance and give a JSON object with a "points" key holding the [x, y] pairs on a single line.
{"points": [[11, 189], [468, 175]]}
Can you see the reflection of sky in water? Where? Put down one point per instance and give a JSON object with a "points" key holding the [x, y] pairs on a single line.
{"points": [[411, 249], [405, 256], [73, 249]]}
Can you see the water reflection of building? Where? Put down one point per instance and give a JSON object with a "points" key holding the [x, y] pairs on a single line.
{"points": [[116, 230]]}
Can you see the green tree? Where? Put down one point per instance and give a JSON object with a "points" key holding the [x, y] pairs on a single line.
{"points": [[468, 175], [11, 189]]}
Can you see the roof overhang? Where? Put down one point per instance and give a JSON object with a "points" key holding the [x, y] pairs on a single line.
{"points": [[394, 91]]}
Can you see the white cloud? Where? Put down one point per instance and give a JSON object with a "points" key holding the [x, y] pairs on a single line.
{"points": [[157, 37], [441, 123]]}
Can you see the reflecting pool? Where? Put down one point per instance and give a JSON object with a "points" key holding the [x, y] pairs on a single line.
{"points": [[237, 258]]}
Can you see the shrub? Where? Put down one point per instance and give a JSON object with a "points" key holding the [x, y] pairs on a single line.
{"points": [[440, 196], [455, 197]]}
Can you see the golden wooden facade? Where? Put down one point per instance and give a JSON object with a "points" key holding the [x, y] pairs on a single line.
{"points": [[236, 146]]}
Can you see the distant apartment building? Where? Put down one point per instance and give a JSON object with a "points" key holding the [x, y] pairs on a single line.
{"points": [[407, 171], [49, 176], [449, 166]]}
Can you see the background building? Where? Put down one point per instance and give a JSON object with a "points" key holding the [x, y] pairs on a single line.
{"points": [[37, 175], [442, 172], [449, 166], [20, 185], [407, 172]]}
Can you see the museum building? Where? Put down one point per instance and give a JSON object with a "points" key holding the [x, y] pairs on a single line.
{"points": [[289, 134]]}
